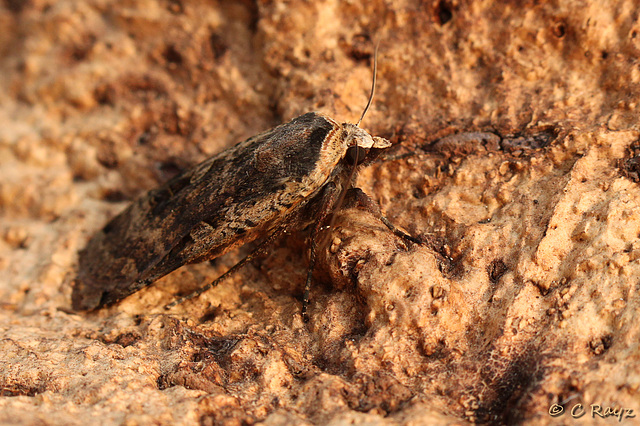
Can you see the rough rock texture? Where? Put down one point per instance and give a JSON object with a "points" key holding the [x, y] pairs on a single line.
{"points": [[517, 162]]}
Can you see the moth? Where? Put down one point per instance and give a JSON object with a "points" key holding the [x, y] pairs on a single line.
{"points": [[252, 191]]}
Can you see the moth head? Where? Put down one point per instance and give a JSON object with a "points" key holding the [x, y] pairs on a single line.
{"points": [[359, 143]]}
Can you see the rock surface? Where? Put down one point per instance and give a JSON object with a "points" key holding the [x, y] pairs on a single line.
{"points": [[516, 160]]}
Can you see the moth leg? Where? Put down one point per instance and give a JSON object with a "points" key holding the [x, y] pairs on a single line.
{"points": [[256, 252], [329, 198], [356, 196]]}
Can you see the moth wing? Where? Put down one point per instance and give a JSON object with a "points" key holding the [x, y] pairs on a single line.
{"points": [[228, 200]]}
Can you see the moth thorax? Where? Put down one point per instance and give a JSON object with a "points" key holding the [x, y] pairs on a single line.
{"points": [[359, 142], [356, 137]]}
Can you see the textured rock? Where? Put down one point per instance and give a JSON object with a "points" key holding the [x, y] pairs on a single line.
{"points": [[516, 162]]}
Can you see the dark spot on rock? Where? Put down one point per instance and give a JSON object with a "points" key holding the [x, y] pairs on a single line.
{"points": [[443, 12], [360, 48], [80, 51], [508, 386], [114, 196], [108, 159], [217, 45], [496, 270], [601, 345], [145, 137], [175, 7], [630, 165], [16, 6], [172, 56], [21, 389], [559, 30], [214, 349], [104, 94], [526, 142], [126, 339]]}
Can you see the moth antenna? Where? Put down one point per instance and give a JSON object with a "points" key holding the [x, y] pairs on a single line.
{"points": [[355, 163], [373, 83]]}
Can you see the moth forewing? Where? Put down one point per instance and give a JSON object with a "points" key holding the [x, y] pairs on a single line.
{"points": [[237, 196], [248, 192]]}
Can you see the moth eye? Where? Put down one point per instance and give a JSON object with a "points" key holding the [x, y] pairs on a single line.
{"points": [[356, 155]]}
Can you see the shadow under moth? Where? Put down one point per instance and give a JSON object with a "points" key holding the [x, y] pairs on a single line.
{"points": [[300, 171]]}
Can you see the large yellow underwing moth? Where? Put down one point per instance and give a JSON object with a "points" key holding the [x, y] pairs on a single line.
{"points": [[252, 191]]}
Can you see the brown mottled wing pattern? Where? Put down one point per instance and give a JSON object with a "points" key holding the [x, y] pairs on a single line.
{"points": [[226, 201]]}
